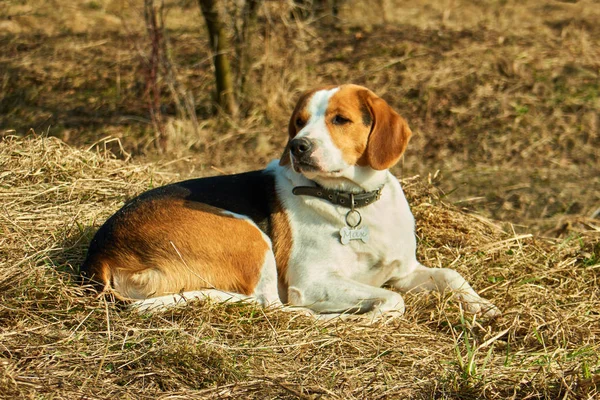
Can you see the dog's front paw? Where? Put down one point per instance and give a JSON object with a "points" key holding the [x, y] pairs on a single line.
{"points": [[482, 307]]}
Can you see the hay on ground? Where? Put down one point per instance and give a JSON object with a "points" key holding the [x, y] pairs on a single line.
{"points": [[59, 340]]}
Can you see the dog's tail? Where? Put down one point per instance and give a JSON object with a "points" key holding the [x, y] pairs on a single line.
{"points": [[96, 272]]}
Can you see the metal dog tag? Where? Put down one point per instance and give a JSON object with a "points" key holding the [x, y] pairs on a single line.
{"points": [[352, 231], [347, 234]]}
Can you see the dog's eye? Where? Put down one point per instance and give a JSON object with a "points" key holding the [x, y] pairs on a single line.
{"points": [[339, 120], [299, 122]]}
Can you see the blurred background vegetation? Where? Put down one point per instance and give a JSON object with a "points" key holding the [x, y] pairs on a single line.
{"points": [[503, 96]]}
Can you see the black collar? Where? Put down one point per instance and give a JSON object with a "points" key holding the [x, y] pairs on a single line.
{"points": [[339, 198]]}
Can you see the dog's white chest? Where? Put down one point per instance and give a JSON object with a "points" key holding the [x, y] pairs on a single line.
{"points": [[369, 252], [391, 244]]}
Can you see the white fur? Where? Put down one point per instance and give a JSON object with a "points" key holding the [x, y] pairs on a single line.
{"points": [[327, 276]]}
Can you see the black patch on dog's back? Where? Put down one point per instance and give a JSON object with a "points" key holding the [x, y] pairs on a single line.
{"points": [[249, 194]]}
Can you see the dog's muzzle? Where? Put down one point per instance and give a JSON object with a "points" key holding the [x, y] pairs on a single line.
{"points": [[301, 148]]}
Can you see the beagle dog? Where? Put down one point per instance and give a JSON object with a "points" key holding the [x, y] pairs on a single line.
{"points": [[323, 228]]}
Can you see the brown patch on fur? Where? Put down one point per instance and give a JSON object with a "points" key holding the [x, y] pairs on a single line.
{"points": [[281, 237], [389, 136], [169, 246], [351, 137]]}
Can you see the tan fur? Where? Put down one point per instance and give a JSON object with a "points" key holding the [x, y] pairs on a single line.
{"points": [[170, 246], [350, 138], [389, 133], [282, 244]]}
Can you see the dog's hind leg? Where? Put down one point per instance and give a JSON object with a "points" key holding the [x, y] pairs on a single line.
{"points": [[266, 291]]}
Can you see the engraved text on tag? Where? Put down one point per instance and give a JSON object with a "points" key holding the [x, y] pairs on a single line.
{"points": [[348, 234]]}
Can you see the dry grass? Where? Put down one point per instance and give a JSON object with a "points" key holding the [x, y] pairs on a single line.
{"points": [[58, 340], [503, 96]]}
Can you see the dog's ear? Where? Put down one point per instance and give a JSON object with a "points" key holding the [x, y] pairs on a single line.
{"points": [[285, 157], [389, 133]]}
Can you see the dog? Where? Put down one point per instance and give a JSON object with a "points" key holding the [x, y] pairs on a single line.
{"points": [[323, 228]]}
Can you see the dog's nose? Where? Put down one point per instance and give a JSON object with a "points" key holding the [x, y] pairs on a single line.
{"points": [[301, 147]]}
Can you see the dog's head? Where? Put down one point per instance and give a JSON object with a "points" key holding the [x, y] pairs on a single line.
{"points": [[335, 129]]}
